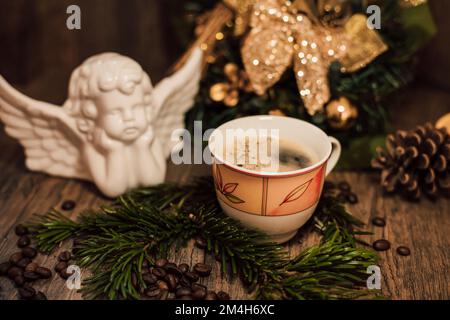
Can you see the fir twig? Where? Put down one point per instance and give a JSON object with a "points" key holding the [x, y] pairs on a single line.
{"points": [[145, 224]]}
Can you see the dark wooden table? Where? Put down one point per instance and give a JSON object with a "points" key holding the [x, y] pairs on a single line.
{"points": [[424, 227]]}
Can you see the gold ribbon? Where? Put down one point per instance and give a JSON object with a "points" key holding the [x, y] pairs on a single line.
{"points": [[281, 35]]}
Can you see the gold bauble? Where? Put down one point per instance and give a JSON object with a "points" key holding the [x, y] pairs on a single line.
{"points": [[341, 113], [444, 122], [219, 91]]}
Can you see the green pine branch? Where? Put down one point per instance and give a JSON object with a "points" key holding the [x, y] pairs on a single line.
{"points": [[114, 241]]}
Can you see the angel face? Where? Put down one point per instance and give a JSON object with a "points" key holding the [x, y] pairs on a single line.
{"points": [[123, 117]]}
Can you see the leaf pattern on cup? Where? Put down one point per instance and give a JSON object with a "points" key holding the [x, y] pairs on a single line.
{"points": [[227, 189], [296, 193]]}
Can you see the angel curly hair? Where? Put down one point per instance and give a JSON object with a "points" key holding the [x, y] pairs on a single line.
{"points": [[98, 74]]}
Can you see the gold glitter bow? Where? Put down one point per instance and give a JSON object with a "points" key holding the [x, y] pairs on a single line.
{"points": [[281, 34]]}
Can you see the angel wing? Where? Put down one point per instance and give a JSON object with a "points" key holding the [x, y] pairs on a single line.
{"points": [[174, 96], [46, 132]]}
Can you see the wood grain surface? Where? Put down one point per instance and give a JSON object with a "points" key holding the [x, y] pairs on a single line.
{"points": [[423, 227]]}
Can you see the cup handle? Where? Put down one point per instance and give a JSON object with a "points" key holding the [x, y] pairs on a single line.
{"points": [[335, 154]]}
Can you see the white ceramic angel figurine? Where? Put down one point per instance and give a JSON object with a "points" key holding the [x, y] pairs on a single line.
{"points": [[114, 129]]}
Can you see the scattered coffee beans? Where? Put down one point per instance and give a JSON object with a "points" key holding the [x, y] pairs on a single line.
{"points": [[342, 192], [29, 252], [65, 274], [44, 273], [31, 267], [183, 267], [381, 245], [22, 270], [200, 242], [19, 281], [64, 256], [21, 230], [203, 270], [23, 262], [68, 205], [159, 272], [149, 279], [30, 276], [27, 292], [403, 251], [16, 257], [23, 241], [183, 291], [4, 267], [191, 276], [40, 296], [221, 295], [379, 222], [160, 263], [14, 272], [60, 266], [344, 186]]}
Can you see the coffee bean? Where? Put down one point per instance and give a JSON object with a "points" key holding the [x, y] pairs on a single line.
{"points": [[23, 241], [163, 295], [65, 256], [14, 272], [27, 292], [222, 295], [191, 276], [4, 267], [403, 251], [173, 269], [200, 242], [352, 198], [65, 274], [199, 294], [162, 285], [211, 295], [149, 279], [68, 205], [16, 257], [31, 276], [19, 281], [183, 267], [184, 282], [23, 262], [202, 269], [159, 272], [381, 245], [187, 297], [379, 222], [183, 291], [172, 281], [344, 186], [40, 296], [31, 267], [342, 197], [44, 273], [21, 230], [29, 252], [152, 292], [196, 286], [160, 263], [60, 266]]}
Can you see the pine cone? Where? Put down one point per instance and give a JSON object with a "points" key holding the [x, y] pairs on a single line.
{"points": [[416, 162]]}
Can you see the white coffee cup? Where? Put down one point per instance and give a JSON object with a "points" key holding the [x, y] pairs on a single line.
{"points": [[277, 203]]}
